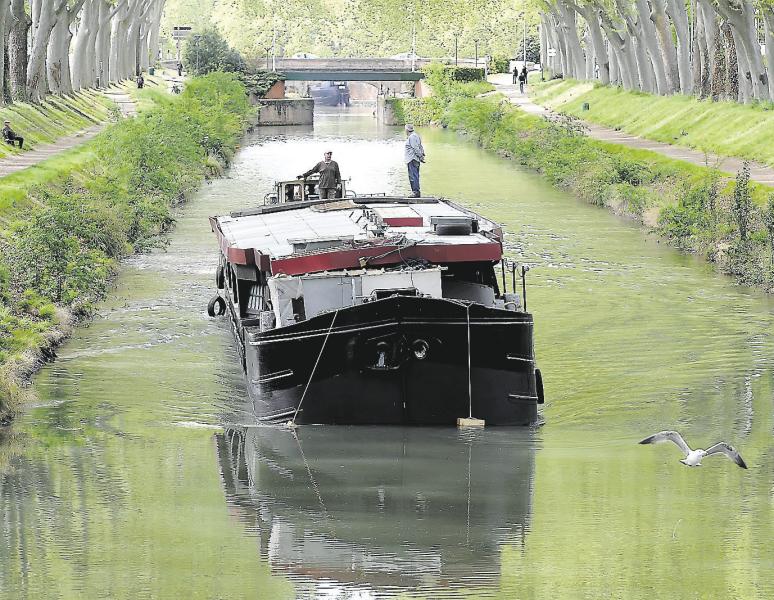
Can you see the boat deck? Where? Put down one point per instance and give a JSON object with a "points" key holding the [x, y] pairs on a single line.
{"points": [[374, 225]]}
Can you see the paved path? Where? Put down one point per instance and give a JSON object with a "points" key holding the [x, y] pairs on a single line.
{"points": [[17, 162], [758, 172]]}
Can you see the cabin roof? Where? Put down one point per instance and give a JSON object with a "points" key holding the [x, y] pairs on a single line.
{"points": [[300, 229]]}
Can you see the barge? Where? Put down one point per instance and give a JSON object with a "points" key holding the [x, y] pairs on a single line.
{"points": [[375, 310]]}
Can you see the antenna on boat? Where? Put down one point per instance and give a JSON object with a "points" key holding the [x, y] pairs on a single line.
{"points": [[524, 269]]}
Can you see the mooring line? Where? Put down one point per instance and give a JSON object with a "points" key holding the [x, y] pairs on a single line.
{"points": [[319, 356], [470, 389]]}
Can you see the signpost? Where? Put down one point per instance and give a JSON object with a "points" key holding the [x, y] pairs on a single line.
{"points": [[179, 33]]}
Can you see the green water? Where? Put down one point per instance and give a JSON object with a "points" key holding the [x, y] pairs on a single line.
{"points": [[137, 474]]}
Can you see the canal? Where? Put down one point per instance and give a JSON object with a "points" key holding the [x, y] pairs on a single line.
{"points": [[136, 473]]}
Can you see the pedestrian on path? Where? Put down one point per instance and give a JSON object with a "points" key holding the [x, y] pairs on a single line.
{"points": [[515, 74], [522, 78], [179, 69], [9, 135], [414, 155], [330, 176]]}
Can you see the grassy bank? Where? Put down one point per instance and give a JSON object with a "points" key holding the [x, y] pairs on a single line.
{"points": [[56, 117], [729, 222], [61, 255], [446, 87], [725, 128]]}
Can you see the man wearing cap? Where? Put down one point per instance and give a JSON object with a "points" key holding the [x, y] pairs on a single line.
{"points": [[330, 177], [9, 135], [414, 155]]}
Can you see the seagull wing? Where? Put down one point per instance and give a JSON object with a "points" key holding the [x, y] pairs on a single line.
{"points": [[729, 451], [668, 436]]}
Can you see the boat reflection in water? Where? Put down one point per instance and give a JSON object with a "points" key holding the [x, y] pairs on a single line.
{"points": [[379, 510]]}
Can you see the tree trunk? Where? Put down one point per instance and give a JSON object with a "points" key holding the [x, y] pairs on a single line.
{"points": [[590, 58], [740, 17], [734, 90], [659, 19], [56, 56], [102, 45], [17, 51], [576, 58], [81, 65], [117, 44], [679, 16], [768, 21], [153, 40], [711, 40], [645, 36], [543, 43], [45, 15], [5, 14], [590, 14], [621, 45], [615, 79]]}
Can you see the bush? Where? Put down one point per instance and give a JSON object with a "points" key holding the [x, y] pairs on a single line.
{"points": [[66, 250], [500, 64], [208, 51], [259, 82], [466, 73]]}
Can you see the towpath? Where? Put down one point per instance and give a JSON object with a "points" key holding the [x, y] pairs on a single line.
{"points": [[17, 162], [758, 172]]}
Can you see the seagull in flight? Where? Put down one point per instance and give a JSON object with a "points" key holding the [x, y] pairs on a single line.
{"points": [[693, 457]]}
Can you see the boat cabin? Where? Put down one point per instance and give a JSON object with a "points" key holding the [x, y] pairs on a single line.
{"points": [[301, 190]]}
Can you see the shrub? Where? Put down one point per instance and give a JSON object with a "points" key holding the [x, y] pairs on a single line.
{"points": [[209, 51], [67, 248]]}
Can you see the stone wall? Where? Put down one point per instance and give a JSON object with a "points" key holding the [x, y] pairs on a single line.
{"points": [[288, 111]]}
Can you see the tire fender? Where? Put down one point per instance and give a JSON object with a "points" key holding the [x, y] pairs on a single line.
{"points": [[216, 306]]}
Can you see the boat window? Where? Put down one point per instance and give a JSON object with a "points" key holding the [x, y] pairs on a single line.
{"points": [[293, 192], [255, 299], [298, 309]]}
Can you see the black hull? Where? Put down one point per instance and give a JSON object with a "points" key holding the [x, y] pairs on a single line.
{"points": [[369, 372]]}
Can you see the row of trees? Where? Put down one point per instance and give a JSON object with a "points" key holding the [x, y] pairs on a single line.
{"points": [[710, 48], [361, 27], [58, 46]]}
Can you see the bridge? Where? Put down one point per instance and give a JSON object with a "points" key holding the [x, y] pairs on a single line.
{"points": [[353, 69]]}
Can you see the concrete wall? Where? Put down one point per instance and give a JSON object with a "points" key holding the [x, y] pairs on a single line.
{"points": [[289, 111], [385, 115]]}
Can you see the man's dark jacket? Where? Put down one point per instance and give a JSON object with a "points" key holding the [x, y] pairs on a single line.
{"points": [[329, 173]]}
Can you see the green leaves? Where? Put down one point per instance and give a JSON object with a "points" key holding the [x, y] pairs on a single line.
{"points": [[67, 249]]}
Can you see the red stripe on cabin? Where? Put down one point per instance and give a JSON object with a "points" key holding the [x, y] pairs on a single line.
{"points": [[349, 259], [403, 221]]}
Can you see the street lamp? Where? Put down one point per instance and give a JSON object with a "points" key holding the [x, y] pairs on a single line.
{"points": [[476, 45], [267, 48], [456, 37]]}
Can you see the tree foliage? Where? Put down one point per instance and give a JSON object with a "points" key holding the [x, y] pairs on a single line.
{"points": [[208, 51]]}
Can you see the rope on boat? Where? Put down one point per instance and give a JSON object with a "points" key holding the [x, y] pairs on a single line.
{"points": [[292, 422], [470, 387]]}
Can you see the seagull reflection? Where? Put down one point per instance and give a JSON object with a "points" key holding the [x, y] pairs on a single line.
{"points": [[381, 508]]}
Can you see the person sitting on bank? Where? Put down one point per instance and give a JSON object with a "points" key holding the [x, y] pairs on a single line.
{"points": [[140, 81], [330, 177], [9, 135]]}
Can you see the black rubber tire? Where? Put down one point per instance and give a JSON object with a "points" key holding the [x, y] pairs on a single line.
{"points": [[220, 278], [218, 302], [539, 386]]}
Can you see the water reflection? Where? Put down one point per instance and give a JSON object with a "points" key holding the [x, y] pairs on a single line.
{"points": [[379, 508]]}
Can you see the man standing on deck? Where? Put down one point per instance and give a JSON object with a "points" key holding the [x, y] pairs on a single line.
{"points": [[414, 155], [330, 177]]}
